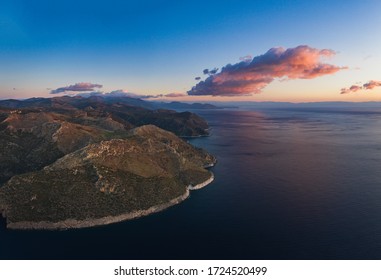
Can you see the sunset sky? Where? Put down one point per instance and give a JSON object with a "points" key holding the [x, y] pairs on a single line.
{"points": [[261, 50]]}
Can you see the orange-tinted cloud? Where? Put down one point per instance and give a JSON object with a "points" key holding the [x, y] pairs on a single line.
{"points": [[251, 76], [369, 85]]}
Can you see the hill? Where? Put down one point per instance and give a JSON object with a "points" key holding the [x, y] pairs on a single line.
{"points": [[106, 182], [38, 131], [76, 162]]}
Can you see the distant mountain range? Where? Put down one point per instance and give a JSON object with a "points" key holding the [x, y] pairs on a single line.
{"points": [[273, 104], [110, 99], [174, 105]]}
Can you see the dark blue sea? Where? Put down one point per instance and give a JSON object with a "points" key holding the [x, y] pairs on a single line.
{"points": [[299, 183]]}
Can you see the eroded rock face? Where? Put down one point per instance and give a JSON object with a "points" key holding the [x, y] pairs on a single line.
{"points": [[149, 169]]}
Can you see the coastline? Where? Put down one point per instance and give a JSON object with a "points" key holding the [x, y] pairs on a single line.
{"points": [[196, 136], [203, 184], [72, 223], [75, 224]]}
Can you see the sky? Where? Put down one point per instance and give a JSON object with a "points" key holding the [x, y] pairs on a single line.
{"points": [[272, 50]]}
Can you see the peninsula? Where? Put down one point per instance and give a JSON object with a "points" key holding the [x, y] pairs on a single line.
{"points": [[63, 172]]}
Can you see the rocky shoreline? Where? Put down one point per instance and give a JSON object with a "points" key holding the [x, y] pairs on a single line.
{"points": [[72, 223], [203, 184], [75, 224]]}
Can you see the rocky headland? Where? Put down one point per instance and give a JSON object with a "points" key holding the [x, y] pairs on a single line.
{"points": [[65, 168]]}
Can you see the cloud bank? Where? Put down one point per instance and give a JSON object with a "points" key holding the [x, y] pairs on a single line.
{"points": [[369, 85], [250, 76], [77, 87]]}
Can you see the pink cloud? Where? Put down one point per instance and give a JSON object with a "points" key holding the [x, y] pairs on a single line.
{"points": [[369, 85], [372, 84], [174, 94], [251, 76], [353, 88], [77, 87], [246, 58]]}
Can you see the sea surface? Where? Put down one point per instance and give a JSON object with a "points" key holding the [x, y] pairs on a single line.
{"points": [[299, 183]]}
